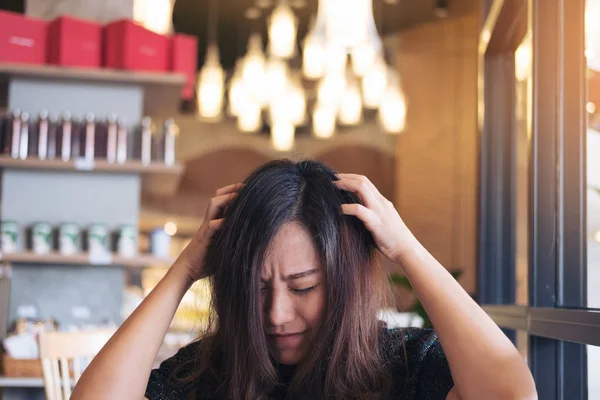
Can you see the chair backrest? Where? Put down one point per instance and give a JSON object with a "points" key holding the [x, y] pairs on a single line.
{"points": [[64, 357]]}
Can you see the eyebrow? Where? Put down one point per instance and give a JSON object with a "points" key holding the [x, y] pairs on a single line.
{"points": [[299, 275]]}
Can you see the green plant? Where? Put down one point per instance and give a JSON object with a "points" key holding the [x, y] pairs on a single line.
{"points": [[417, 307]]}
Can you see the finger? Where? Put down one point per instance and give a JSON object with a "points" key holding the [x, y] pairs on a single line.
{"points": [[236, 187], [215, 224], [360, 178], [362, 189], [216, 204], [367, 216]]}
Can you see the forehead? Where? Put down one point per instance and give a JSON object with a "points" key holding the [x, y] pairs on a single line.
{"points": [[291, 251]]}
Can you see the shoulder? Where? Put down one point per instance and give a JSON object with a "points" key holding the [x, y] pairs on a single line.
{"points": [[162, 384], [418, 360]]}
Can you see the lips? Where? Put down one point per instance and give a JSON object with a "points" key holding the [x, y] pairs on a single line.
{"points": [[287, 340]]}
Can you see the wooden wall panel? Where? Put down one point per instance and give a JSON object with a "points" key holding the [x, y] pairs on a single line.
{"points": [[437, 155]]}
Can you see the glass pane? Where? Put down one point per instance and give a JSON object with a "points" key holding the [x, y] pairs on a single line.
{"points": [[592, 53], [593, 353], [522, 136]]}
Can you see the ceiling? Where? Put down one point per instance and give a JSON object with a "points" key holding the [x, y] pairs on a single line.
{"points": [[191, 16]]}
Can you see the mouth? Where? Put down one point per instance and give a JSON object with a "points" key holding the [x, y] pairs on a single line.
{"points": [[287, 339]]}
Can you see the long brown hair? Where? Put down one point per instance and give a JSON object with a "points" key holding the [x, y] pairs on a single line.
{"points": [[346, 361]]}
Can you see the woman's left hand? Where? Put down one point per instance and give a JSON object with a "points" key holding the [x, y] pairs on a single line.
{"points": [[378, 214]]}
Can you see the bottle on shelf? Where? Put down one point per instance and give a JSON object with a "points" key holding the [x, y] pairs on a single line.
{"points": [[76, 138], [65, 137], [170, 133], [88, 142], [122, 141], [39, 137], [144, 142], [24, 136], [13, 135], [111, 139], [52, 137]]}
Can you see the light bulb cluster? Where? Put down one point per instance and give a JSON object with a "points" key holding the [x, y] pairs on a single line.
{"points": [[264, 88]]}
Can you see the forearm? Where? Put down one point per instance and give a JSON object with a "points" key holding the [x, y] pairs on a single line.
{"points": [[122, 368], [483, 361]]}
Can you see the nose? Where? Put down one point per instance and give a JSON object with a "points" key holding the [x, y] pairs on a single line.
{"points": [[280, 308]]}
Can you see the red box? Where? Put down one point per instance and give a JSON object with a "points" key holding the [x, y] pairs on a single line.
{"points": [[132, 47], [22, 39], [74, 42], [184, 60]]}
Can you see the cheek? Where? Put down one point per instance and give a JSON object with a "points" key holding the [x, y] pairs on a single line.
{"points": [[312, 307]]}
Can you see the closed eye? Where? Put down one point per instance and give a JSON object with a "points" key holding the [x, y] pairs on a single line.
{"points": [[304, 292]]}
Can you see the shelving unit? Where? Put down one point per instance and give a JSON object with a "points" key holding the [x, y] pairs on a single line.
{"points": [[140, 261], [6, 382], [50, 72], [135, 167]]}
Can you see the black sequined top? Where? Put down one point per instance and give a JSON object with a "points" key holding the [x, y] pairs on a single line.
{"points": [[428, 372]]}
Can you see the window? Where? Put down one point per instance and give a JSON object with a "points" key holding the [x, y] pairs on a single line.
{"points": [[539, 232], [592, 52]]}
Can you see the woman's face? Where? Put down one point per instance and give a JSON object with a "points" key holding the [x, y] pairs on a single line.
{"points": [[292, 293]]}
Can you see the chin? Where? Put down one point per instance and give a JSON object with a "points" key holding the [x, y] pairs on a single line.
{"points": [[288, 357]]}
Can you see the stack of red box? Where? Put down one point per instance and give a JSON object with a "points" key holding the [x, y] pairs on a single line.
{"points": [[72, 42], [132, 47], [22, 40], [75, 43], [184, 60]]}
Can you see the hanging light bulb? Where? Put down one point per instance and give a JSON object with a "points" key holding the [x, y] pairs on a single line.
{"points": [[347, 23], [210, 84], [323, 122], [282, 31], [253, 70], [250, 117], [363, 57], [237, 91], [282, 135], [392, 111], [314, 57], [350, 112], [290, 105], [331, 90], [276, 78], [374, 84], [154, 15]]}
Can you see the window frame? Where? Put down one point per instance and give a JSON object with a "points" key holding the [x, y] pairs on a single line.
{"points": [[557, 238]]}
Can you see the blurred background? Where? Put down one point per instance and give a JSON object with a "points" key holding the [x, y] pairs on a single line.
{"points": [[121, 118]]}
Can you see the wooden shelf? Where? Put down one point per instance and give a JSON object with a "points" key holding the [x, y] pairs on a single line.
{"points": [[135, 167], [140, 261], [6, 382], [50, 72]]}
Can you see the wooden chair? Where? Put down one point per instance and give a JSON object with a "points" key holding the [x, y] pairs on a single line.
{"points": [[64, 357]]}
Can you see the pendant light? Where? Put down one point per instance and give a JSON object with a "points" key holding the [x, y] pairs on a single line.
{"points": [[154, 15], [347, 24], [253, 70], [210, 89], [314, 56], [276, 79], [374, 83], [392, 110], [283, 27], [350, 112], [291, 104], [282, 135], [323, 122]]}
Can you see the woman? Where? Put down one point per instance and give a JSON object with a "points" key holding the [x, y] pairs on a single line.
{"points": [[291, 255]]}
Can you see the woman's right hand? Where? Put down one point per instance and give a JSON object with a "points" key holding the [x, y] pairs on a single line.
{"points": [[191, 259]]}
